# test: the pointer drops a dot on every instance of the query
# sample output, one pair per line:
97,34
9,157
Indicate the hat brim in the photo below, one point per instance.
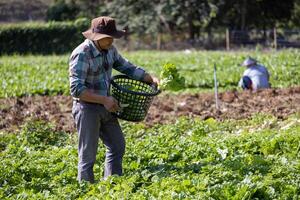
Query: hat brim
98,36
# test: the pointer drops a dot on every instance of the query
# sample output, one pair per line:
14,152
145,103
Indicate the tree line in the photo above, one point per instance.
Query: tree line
183,16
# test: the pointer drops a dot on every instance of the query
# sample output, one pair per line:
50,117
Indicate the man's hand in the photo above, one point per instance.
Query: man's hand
151,79
111,104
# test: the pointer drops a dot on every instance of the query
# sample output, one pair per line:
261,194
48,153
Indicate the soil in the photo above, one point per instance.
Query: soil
165,108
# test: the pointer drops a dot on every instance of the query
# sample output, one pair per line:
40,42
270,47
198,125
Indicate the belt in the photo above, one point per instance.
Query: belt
77,100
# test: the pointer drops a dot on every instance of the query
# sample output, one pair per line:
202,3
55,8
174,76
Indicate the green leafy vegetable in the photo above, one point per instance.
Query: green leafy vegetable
170,78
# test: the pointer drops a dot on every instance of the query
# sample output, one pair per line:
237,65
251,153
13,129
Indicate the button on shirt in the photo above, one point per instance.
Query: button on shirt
259,76
91,69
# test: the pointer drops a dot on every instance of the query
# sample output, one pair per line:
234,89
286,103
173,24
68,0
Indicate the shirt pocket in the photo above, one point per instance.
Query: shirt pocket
95,67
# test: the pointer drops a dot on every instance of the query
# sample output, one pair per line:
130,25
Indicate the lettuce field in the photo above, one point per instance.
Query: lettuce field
190,159
48,75
184,149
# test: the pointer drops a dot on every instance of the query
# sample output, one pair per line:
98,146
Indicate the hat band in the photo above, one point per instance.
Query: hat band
101,30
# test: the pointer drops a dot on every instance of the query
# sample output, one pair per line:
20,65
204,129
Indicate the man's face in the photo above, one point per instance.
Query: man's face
105,43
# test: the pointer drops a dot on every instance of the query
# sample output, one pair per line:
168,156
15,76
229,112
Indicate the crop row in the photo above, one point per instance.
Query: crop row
48,75
190,159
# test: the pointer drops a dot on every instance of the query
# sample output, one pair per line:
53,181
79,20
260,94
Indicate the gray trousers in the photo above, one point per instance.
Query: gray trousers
93,121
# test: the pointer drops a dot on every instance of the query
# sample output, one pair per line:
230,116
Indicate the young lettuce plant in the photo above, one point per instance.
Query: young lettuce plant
170,79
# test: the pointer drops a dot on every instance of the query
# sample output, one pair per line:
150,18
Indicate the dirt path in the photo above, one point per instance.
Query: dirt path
165,108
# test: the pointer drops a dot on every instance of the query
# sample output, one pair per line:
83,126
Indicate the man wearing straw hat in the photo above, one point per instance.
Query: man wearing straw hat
255,77
90,69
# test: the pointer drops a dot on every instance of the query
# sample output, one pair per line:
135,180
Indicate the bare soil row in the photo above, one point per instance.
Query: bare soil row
164,109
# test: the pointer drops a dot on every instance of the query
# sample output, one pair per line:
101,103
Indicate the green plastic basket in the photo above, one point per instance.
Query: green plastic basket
134,97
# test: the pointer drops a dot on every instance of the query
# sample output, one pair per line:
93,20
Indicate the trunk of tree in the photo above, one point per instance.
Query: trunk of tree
158,41
243,13
192,28
209,37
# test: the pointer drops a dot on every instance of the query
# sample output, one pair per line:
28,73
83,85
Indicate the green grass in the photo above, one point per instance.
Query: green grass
190,159
48,75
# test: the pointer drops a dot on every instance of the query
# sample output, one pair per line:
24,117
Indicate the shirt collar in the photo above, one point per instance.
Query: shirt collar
95,50
93,47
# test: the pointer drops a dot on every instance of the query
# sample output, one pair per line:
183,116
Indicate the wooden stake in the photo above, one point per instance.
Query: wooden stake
227,40
275,38
158,41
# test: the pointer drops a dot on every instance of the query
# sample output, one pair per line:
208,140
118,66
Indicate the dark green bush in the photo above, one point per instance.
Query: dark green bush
41,38
62,11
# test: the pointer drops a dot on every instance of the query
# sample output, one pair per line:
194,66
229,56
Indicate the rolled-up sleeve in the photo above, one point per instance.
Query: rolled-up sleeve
78,68
124,66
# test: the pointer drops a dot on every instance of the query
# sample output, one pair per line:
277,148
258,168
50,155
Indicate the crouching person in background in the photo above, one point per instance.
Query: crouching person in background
255,77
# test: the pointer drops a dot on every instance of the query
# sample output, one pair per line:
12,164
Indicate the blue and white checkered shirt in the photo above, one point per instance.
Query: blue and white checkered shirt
91,69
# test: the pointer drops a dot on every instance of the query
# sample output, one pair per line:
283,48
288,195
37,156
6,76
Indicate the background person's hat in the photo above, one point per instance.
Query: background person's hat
102,27
249,61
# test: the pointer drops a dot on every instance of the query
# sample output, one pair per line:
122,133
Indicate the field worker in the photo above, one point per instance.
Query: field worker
255,77
90,70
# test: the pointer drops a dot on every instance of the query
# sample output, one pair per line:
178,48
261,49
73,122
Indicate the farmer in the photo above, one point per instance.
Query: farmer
90,69
255,77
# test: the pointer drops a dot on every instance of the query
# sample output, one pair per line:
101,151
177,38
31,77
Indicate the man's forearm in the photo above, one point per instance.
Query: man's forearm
91,97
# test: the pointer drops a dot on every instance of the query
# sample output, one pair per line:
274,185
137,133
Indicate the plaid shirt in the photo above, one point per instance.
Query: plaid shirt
91,69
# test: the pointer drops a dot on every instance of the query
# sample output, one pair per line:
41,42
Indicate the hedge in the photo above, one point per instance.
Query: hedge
41,38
